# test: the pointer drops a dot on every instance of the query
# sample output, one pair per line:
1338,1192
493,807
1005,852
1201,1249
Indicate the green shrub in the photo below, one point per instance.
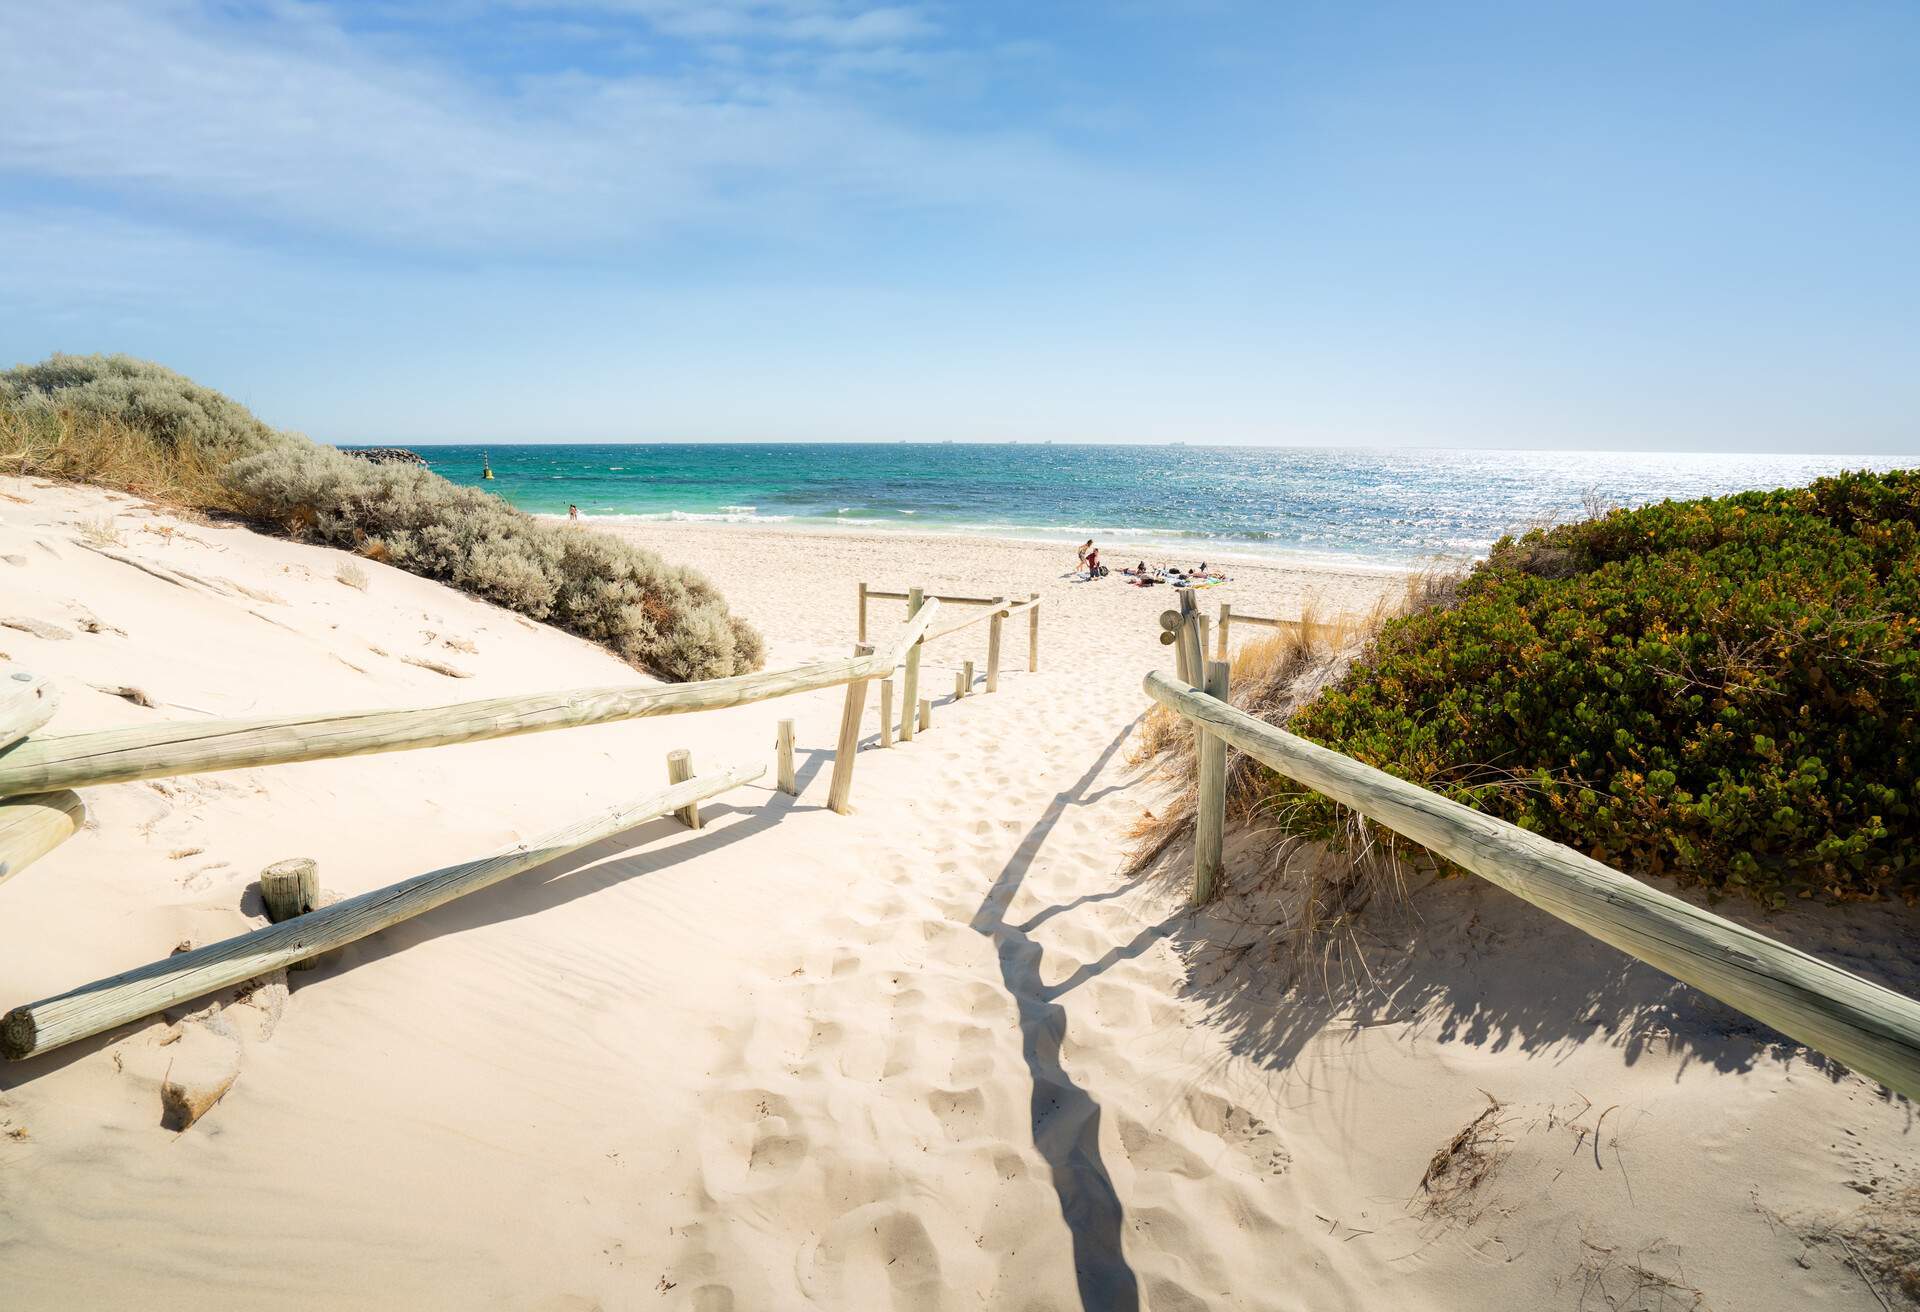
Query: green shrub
1724,690
131,424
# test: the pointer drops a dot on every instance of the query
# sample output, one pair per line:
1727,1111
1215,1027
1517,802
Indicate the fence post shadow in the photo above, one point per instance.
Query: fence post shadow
1065,1118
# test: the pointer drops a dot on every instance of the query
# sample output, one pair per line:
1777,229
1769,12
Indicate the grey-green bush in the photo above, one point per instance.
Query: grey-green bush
174,409
662,617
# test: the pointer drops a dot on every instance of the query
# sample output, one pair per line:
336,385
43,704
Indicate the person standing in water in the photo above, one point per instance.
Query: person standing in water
573,513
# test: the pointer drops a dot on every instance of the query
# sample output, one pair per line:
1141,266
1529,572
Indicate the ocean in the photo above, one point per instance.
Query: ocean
1387,509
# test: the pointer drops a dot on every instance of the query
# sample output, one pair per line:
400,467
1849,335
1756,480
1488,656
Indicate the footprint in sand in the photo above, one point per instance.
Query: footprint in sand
1149,1151
877,1256
972,1056
750,1139
959,1111
1235,1125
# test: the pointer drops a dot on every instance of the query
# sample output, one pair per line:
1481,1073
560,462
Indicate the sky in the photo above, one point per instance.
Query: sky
1671,225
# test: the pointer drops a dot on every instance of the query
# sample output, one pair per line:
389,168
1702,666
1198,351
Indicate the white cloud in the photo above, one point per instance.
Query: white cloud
824,21
291,121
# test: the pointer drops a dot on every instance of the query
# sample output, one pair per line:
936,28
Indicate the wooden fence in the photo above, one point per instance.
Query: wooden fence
38,810
1229,617
916,711
1870,1028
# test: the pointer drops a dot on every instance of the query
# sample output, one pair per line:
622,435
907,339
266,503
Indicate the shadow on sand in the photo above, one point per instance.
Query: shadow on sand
1464,962
1066,1119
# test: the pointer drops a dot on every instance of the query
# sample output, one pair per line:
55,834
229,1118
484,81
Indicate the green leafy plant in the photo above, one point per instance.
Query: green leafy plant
1723,690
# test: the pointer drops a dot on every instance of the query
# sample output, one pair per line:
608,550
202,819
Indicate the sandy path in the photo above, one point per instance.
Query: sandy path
935,1054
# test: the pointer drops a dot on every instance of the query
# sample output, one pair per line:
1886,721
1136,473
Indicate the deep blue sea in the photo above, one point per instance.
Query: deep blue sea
1387,508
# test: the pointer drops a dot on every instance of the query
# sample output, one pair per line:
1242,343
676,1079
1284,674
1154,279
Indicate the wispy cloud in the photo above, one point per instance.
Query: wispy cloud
767,20
287,118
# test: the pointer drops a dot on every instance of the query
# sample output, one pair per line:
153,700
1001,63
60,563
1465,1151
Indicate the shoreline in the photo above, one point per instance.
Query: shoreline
1332,566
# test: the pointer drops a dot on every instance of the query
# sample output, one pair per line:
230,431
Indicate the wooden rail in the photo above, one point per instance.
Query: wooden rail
1004,607
31,827
1230,617
876,594
1871,1029
78,760
109,1003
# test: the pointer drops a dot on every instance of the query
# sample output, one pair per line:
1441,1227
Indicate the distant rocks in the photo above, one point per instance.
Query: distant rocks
387,455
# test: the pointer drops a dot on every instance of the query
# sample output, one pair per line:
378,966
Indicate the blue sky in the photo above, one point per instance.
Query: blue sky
1664,226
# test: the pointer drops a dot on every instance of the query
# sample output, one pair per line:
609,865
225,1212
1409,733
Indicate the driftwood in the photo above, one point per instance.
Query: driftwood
109,1003
1872,1029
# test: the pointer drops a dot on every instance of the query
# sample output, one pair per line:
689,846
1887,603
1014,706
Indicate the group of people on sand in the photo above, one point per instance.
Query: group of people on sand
1143,576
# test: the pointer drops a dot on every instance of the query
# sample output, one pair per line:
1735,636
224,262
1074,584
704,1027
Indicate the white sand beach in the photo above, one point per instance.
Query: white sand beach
940,1053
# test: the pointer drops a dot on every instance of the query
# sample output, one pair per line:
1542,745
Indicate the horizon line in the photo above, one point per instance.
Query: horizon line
1197,446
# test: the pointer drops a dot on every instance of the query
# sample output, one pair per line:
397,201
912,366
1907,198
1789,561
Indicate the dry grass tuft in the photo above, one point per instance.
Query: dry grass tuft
350,573
101,532
1450,1189
1617,1282
1320,894
79,446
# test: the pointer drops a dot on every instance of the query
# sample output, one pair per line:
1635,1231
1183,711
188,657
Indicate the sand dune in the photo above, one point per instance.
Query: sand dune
936,1054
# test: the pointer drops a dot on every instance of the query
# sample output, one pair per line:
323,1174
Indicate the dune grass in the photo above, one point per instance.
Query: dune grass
1315,892
135,426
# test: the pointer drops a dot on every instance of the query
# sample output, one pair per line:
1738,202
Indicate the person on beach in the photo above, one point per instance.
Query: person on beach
1085,547
1093,563
573,513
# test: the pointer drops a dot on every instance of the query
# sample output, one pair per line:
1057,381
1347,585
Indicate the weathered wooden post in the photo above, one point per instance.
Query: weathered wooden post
1206,632
966,677
1226,624
926,715
1191,651
1033,635
290,888
26,702
1210,821
1171,623
849,745
863,612
959,685
910,684
993,651
783,758
32,826
886,712
679,770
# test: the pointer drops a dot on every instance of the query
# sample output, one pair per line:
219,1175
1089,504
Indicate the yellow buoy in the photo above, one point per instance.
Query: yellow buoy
486,468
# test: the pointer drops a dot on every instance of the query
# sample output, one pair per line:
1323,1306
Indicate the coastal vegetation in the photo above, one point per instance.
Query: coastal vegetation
134,425
1721,690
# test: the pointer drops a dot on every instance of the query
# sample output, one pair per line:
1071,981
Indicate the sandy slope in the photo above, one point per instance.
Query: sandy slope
935,1054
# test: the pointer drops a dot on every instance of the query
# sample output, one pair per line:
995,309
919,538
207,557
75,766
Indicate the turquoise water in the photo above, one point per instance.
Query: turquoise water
1386,508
